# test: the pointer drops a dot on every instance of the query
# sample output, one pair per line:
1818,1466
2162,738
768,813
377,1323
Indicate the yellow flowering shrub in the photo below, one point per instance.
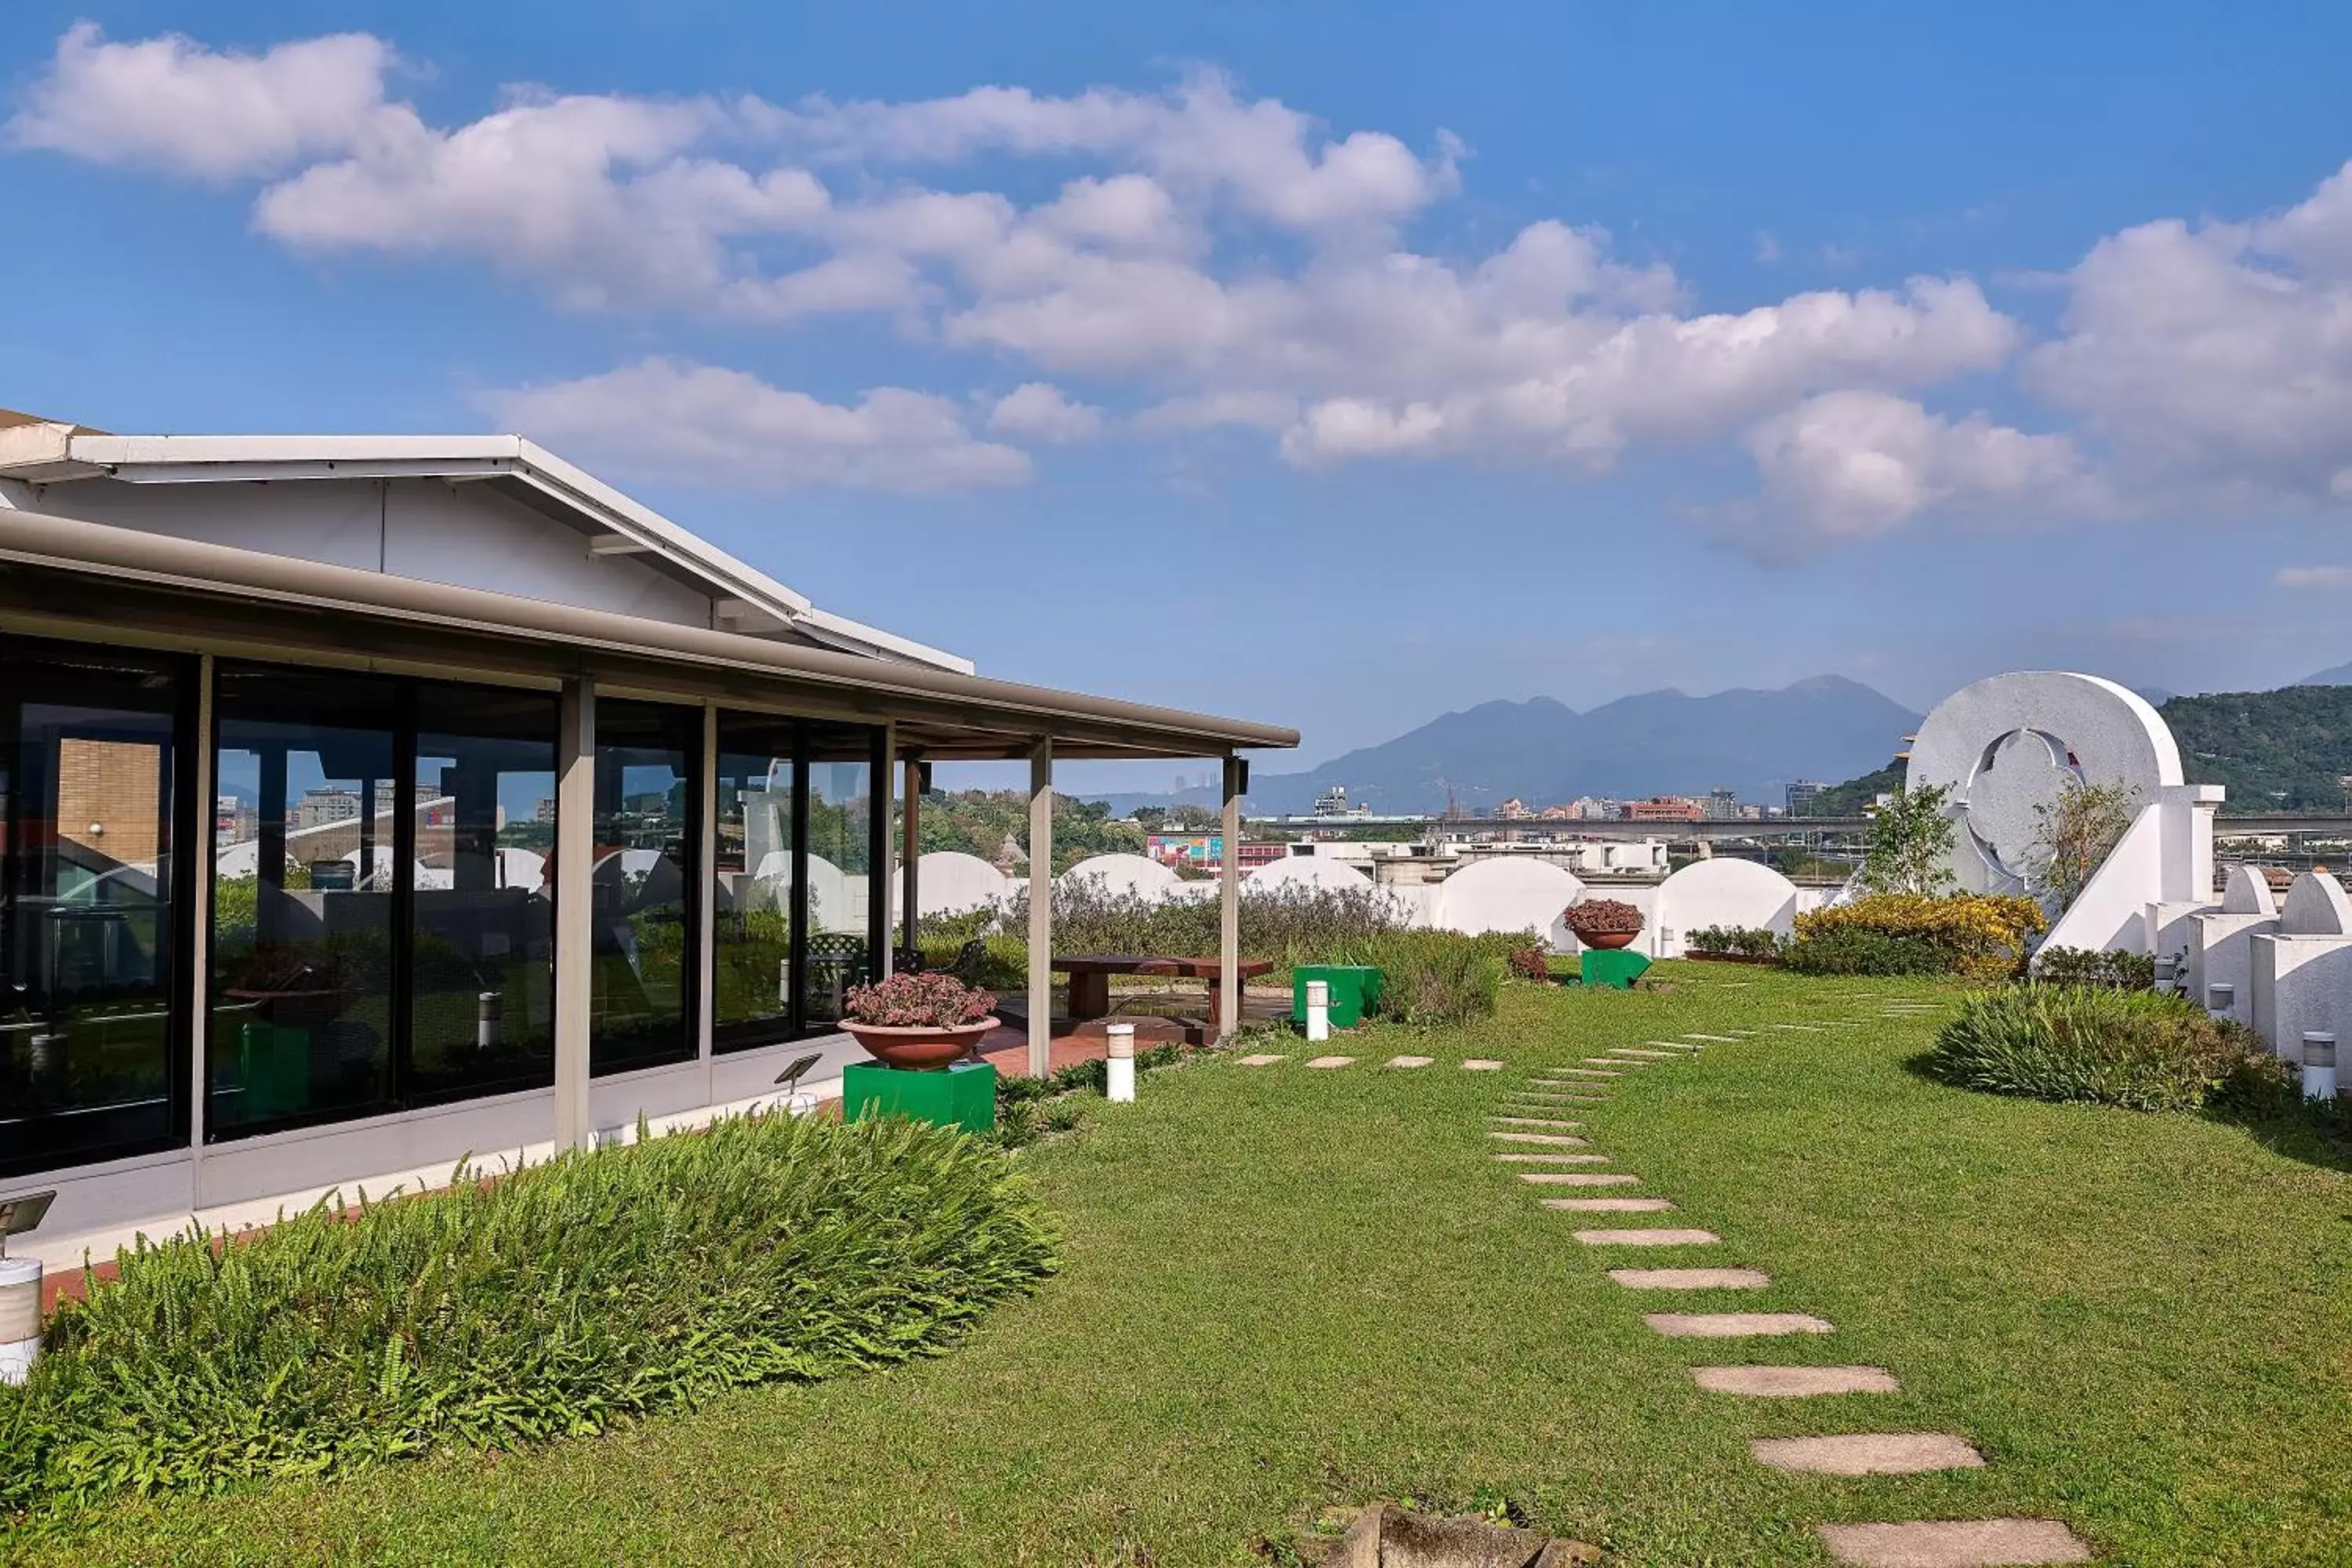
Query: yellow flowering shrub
1981,937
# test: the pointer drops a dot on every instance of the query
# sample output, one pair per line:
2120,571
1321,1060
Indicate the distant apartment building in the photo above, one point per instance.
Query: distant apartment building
1558,813
1332,801
1664,808
1513,810
1722,804
1595,808
1801,794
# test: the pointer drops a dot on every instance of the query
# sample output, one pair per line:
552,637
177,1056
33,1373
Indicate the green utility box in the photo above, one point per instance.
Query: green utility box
965,1096
1616,968
1355,990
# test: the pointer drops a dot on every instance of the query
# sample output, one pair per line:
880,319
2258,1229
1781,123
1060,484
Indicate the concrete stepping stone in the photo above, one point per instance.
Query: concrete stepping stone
1548,1140
1480,1064
1555,1159
1691,1278
1262,1060
1532,1121
1578,1179
1613,1063
1868,1454
1636,1053
1332,1062
1610,1205
1793,1382
1683,1237
1809,1028
1410,1061
1734,1325
1715,1039
1578,1075
1954,1543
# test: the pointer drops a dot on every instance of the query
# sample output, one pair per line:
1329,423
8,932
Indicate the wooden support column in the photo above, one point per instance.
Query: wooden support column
575,855
1229,905
1041,910
910,910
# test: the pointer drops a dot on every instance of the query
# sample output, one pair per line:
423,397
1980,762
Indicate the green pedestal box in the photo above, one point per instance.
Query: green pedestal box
1616,968
965,1096
1355,990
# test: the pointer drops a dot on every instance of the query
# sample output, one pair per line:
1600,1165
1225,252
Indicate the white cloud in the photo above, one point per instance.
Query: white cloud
707,424
1038,412
1849,464
2313,577
170,103
2216,359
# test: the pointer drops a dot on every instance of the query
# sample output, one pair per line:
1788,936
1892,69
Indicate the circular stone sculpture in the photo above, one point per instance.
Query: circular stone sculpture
2007,744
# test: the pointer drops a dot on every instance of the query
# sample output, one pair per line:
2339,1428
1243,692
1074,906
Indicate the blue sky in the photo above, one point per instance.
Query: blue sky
1330,364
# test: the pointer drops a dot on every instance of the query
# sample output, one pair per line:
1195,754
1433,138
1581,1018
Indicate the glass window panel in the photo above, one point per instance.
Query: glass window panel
87,775
839,902
302,892
482,951
751,917
642,943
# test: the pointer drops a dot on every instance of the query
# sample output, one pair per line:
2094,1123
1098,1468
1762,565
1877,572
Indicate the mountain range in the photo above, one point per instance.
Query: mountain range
1541,751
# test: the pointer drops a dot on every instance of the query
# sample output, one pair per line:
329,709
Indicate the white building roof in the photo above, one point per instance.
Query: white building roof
47,452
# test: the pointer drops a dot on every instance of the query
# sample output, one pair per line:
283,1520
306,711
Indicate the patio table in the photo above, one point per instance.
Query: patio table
1090,979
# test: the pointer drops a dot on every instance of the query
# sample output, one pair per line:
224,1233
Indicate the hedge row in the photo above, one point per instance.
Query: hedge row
552,1302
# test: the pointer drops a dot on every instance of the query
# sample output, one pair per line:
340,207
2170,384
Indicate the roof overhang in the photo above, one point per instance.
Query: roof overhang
70,577
43,452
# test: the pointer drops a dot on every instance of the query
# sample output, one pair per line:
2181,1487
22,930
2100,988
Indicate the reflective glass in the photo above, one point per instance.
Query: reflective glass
88,772
751,914
839,902
642,942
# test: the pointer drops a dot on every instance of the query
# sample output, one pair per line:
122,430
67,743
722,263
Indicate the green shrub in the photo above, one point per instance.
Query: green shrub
1977,936
2139,1049
1003,959
1739,942
552,1302
1856,949
2116,970
1436,977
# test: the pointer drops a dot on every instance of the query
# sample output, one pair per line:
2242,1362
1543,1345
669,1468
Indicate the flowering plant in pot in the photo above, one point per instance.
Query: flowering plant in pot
919,1022
1604,922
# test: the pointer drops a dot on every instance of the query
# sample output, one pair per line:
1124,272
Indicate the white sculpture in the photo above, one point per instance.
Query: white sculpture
2010,744
2301,970
1508,894
1721,891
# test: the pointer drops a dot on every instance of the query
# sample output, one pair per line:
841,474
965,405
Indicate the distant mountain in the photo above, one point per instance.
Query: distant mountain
2340,676
1542,751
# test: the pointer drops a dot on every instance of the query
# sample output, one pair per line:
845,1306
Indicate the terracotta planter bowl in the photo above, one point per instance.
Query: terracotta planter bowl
1606,940
920,1049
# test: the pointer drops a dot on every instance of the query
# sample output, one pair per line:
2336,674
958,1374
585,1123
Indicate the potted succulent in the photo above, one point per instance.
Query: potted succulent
1604,922
918,1023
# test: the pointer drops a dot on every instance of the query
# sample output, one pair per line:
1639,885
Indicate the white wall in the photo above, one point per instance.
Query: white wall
1720,892
949,882
1508,895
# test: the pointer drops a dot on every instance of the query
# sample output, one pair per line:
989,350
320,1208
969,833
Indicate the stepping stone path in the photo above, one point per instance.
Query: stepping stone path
1714,1039
1638,1053
1578,1179
1734,1325
1610,1205
1262,1060
1480,1064
1809,1028
1793,1382
1549,1139
1954,1543
1410,1061
1691,1278
1648,1237
1557,1159
1868,1454
1332,1062
1613,1062
1532,1121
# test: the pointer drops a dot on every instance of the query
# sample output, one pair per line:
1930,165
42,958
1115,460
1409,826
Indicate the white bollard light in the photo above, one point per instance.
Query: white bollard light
2220,999
2318,1065
1119,1082
20,1317
1318,1010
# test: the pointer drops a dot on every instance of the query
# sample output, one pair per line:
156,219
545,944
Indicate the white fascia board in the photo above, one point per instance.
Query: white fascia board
859,637
118,451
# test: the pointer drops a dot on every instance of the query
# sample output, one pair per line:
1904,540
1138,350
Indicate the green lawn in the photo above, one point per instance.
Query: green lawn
1288,1289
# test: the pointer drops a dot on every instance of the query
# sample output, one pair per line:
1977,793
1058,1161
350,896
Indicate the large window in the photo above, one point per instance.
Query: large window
794,893
383,917
90,928
481,1006
300,1029
643,946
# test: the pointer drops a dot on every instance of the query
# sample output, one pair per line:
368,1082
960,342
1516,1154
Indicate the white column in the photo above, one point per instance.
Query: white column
1041,910
575,852
1229,905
